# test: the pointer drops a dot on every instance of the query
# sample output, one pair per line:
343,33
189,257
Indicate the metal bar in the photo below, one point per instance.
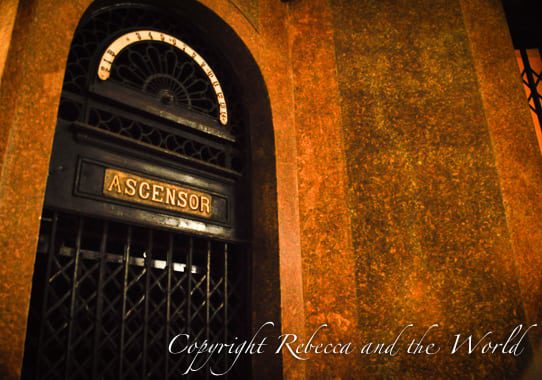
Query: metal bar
532,84
197,122
73,296
50,258
189,286
145,146
134,261
246,286
126,259
226,297
189,292
228,157
99,301
169,266
148,273
208,301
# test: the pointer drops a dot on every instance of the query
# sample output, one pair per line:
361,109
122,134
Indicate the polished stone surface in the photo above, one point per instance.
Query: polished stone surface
429,223
517,152
8,11
328,260
29,95
406,176
250,9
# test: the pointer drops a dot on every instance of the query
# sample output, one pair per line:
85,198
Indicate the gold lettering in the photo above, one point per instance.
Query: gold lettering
157,192
130,187
193,201
170,196
115,183
205,205
164,195
147,194
181,202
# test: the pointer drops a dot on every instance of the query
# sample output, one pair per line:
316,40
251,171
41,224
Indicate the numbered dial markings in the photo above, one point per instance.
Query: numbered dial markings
113,50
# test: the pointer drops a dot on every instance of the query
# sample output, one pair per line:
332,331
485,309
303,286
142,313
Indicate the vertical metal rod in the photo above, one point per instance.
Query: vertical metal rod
125,259
189,286
246,288
226,297
229,158
532,84
189,291
169,261
51,254
73,296
208,301
99,301
148,269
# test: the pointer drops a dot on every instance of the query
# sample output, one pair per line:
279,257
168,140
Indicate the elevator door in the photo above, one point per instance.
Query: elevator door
142,234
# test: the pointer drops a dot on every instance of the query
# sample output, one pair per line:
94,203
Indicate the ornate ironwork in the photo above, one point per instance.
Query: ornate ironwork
109,297
166,73
531,78
154,134
159,71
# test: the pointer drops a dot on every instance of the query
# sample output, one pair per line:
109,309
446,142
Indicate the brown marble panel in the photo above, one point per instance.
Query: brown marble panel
30,92
8,12
328,262
514,142
429,225
250,9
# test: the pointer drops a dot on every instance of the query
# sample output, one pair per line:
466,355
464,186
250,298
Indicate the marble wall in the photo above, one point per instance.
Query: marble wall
407,174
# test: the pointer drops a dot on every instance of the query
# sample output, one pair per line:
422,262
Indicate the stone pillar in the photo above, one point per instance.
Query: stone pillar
29,93
517,154
443,170
329,289
8,12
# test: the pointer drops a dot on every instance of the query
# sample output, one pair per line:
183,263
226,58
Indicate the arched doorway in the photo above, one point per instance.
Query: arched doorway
146,227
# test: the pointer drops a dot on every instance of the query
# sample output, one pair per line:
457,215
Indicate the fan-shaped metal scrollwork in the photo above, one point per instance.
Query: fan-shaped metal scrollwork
166,73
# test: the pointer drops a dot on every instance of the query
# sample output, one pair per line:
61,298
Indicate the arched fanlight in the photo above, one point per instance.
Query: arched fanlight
163,72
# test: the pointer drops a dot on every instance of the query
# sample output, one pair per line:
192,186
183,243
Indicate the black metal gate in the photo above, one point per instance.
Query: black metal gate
531,79
524,23
123,267
111,296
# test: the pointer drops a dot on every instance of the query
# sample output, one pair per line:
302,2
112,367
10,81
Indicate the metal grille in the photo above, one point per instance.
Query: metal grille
531,78
167,74
154,134
163,74
108,298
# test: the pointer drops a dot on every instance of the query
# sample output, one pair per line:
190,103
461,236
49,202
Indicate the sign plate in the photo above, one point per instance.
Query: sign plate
135,189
